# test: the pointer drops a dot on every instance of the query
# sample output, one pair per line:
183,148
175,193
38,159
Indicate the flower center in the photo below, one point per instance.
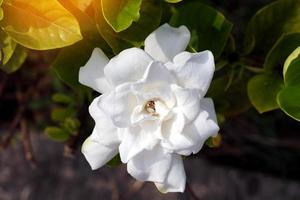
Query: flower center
150,107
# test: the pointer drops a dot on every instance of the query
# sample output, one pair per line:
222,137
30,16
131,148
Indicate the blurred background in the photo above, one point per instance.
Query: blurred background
258,157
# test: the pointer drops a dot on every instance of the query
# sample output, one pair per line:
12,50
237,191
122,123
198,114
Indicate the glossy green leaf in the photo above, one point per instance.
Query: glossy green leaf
291,69
262,91
150,15
173,1
209,28
281,50
269,23
121,13
40,24
16,60
57,134
70,59
289,101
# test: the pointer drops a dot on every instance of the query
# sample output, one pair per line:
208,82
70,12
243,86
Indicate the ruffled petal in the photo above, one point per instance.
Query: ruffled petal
166,42
96,153
134,141
119,105
128,66
204,126
188,102
194,70
150,165
92,74
156,84
172,133
176,178
105,131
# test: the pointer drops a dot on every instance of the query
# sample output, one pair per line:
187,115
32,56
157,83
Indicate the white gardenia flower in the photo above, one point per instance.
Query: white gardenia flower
152,109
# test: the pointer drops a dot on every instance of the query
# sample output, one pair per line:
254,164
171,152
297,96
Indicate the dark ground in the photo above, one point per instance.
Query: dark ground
60,178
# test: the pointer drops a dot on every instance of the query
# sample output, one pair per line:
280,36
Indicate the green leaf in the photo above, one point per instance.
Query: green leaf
291,69
16,60
70,59
57,134
173,1
209,28
40,24
8,47
289,101
62,98
150,15
270,23
281,50
121,13
60,114
262,91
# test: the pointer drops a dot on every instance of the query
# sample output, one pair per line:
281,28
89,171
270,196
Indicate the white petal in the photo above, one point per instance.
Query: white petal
97,154
173,135
204,126
188,102
195,70
119,105
135,140
92,74
156,84
128,66
150,165
105,132
166,42
176,178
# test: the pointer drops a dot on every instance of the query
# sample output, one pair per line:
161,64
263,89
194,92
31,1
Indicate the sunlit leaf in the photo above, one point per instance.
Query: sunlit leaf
269,23
41,25
121,13
262,91
209,28
82,4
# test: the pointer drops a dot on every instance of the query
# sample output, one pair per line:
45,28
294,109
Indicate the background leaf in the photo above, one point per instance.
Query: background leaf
121,13
281,50
150,15
262,91
40,24
57,134
209,28
269,23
